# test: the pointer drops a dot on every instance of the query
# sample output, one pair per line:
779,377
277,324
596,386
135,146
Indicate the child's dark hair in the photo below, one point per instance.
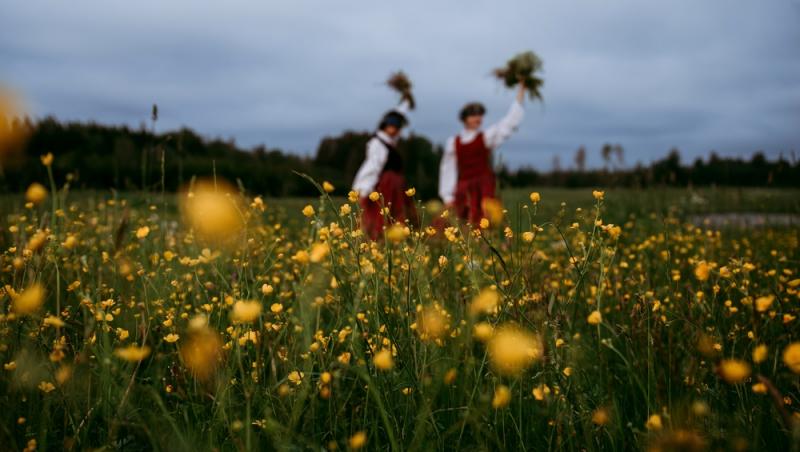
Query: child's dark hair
393,118
472,109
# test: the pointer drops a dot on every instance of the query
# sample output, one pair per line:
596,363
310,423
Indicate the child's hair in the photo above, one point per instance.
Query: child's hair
393,118
472,109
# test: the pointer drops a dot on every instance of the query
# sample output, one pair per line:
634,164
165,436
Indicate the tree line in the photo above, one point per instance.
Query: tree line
100,156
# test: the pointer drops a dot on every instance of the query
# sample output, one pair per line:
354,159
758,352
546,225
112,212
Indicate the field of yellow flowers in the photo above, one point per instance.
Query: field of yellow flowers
212,320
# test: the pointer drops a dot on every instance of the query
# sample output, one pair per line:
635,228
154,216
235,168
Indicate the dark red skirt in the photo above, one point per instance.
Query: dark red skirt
470,193
392,185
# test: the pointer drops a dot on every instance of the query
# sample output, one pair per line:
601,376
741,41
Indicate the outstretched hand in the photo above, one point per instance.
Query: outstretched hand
408,97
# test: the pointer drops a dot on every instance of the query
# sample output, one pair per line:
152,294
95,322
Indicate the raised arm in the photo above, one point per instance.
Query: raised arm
367,176
403,107
499,132
448,173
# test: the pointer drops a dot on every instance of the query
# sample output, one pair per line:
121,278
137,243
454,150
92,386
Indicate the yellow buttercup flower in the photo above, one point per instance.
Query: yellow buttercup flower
198,323
37,241
383,360
734,371
485,303
36,193
763,303
434,207
601,416
308,210
653,422
540,392
53,321
702,271
63,374
358,440
212,210
328,187
319,251
142,232
791,357
700,408
493,209
598,195
301,257
535,197
759,353
11,138
502,397
70,242
397,233
47,159
512,350
132,353
201,352
613,231
594,318
245,311
483,331
295,377
432,323
30,300
450,376
344,358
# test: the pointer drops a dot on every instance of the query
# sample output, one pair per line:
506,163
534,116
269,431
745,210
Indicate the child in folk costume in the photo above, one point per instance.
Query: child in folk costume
466,177
382,172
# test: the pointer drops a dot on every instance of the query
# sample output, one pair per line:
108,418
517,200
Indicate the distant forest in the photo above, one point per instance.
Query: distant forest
101,156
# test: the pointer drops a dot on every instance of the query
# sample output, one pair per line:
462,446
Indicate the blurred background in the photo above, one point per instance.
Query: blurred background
636,93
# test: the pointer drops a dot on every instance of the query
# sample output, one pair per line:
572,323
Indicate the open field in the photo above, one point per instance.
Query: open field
141,321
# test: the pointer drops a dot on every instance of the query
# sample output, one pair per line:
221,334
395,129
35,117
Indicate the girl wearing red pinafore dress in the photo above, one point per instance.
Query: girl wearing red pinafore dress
466,176
382,172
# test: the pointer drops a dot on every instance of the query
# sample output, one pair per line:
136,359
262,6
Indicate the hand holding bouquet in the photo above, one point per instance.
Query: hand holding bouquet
522,69
399,82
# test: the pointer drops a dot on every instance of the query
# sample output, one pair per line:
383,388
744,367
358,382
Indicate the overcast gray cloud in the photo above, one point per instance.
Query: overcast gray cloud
698,75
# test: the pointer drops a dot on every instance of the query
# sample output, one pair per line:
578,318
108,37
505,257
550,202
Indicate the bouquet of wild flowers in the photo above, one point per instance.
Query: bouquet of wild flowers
399,82
522,68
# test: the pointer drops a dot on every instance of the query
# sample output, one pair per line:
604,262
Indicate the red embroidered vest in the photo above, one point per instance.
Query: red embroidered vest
472,158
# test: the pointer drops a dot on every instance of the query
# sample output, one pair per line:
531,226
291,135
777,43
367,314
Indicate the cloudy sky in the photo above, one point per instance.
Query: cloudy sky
706,75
